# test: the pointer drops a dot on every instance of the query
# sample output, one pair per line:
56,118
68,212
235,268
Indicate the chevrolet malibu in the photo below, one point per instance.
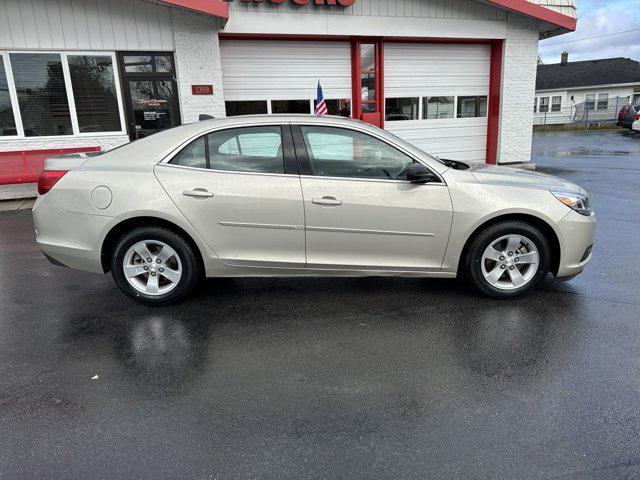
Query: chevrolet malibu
303,196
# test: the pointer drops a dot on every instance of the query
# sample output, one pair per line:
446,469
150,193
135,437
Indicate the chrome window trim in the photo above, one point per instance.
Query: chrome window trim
229,172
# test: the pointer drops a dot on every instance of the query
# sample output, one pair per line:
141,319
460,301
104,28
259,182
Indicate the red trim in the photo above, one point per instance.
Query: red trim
380,76
219,8
536,11
493,105
24,166
356,98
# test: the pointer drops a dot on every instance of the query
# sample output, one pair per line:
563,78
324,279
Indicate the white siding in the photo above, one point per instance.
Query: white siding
85,25
259,70
420,70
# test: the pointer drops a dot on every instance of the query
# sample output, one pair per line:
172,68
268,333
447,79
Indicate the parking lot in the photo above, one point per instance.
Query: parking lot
376,378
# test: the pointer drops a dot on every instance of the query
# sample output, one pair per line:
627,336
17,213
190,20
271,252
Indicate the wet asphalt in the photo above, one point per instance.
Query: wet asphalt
333,378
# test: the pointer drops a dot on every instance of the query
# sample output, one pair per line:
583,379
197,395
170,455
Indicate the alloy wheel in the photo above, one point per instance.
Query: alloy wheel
152,267
510,262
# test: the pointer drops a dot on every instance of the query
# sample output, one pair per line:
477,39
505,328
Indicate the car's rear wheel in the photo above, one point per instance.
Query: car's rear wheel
508,259
154,266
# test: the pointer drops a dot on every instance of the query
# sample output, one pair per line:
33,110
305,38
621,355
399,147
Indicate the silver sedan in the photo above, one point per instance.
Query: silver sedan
302,195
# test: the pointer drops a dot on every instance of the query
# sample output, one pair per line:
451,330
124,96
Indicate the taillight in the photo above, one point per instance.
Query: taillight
48,178
637,116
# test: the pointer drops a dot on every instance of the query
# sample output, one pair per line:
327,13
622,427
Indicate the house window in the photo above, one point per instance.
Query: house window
94,93
59,94
535,104
438,107
42,94
556,104
544,104
603,101
401,109
7,119
472,106
247,107
290,106
590,101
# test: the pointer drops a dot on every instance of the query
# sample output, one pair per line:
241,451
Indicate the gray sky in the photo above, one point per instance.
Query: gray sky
599,17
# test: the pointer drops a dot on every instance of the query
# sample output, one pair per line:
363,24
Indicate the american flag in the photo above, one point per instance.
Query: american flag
321,106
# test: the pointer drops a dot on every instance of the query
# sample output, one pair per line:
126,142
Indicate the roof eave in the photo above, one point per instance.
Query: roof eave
217,8
553,23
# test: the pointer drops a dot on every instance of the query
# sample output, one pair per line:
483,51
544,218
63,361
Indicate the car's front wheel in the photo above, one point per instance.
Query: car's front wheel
154,266
508,259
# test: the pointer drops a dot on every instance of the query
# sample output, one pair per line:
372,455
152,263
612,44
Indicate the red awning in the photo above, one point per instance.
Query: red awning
219,8
537,11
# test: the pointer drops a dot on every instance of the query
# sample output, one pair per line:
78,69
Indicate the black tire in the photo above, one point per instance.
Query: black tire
473,259
190,265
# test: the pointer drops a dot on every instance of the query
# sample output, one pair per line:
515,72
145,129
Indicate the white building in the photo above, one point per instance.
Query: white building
586,91
455,77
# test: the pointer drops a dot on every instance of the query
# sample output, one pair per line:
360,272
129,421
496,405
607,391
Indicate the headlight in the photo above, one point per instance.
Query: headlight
576,201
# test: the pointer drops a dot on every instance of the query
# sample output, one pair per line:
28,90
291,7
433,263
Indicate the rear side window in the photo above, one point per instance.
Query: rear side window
193,155
250,149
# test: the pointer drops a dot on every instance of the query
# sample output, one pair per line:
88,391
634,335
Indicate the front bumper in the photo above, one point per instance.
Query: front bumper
576,234
72,239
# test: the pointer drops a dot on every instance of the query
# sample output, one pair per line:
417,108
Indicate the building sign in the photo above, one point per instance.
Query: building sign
341,3
202,89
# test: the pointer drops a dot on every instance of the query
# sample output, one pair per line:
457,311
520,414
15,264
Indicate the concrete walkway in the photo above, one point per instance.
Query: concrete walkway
21,204
18,191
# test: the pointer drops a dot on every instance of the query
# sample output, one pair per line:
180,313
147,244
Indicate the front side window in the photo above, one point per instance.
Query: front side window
401,109
556,104
193,155
603,101
249,149
472,106
245,107
438,107
339,152
94,93
290,106
544,104
42,94
7,119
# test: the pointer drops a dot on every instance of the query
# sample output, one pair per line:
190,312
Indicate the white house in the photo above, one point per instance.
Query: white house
455,77
587,91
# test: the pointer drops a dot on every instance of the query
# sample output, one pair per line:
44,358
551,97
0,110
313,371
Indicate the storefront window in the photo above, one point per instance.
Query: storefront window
438,107
290,106
148,64
249,107
94,93
474,106
42,94
7,120
401,109
340,107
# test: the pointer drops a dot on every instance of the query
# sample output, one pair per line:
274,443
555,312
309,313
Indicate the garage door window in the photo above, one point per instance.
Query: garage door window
437,107
473,107
340,107
247,107
401,109
338,152
290,106
254,149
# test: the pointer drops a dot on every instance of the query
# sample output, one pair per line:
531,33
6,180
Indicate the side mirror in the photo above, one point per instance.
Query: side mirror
418,173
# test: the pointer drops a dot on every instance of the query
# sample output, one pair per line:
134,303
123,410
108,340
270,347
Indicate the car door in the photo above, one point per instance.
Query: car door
361,212
233,186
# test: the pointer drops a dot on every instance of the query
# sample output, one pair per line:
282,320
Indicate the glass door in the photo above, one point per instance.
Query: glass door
367,81
150,92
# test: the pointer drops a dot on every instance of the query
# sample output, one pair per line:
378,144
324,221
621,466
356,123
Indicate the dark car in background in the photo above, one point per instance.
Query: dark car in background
628,115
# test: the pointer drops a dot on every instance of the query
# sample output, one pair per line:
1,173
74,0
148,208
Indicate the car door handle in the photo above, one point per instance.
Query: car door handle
197,192
326,201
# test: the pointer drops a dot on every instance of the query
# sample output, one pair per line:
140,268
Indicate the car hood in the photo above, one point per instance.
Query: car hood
518,177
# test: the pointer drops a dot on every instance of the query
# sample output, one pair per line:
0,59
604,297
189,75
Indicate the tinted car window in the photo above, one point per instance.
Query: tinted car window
251,149
193,155
339,152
